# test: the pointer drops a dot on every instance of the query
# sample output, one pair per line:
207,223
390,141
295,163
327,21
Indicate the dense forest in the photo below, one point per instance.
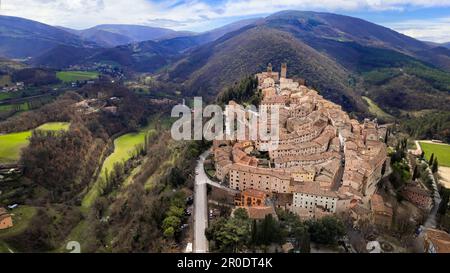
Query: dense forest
433,125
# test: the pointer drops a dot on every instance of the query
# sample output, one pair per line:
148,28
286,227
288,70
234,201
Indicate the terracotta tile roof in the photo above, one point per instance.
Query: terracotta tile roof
439,238
312,188
378,205
260,213
255,193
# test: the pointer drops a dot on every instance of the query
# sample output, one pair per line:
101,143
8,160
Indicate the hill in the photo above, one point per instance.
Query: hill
344,57
22,38
114,35
187,42
146,56
209,69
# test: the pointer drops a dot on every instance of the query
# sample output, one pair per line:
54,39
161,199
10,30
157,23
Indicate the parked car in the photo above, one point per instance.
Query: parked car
13,206
188,212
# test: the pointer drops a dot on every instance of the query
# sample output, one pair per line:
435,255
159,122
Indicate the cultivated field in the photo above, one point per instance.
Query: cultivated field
73,76
10,107
12,144
441,151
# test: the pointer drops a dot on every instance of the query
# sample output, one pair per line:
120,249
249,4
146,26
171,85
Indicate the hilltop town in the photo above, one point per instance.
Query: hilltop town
325,162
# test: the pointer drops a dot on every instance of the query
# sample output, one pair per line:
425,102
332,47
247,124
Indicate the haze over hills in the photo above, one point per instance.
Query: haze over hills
115,35
21,38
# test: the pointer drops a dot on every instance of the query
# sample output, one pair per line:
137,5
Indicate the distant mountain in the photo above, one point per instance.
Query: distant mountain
22,38
115,35
148,56
186,42
104,38
447,45
209,69
344,57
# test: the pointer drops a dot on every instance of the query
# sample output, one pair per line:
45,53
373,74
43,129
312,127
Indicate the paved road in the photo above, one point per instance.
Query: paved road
200,207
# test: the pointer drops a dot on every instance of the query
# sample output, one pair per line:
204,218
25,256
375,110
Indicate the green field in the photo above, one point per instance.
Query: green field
376,110
124,147
54,126
441,151
9,107
12,144
73,76
4,95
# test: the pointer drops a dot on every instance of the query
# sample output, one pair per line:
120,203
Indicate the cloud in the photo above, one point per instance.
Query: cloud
201,14
436,30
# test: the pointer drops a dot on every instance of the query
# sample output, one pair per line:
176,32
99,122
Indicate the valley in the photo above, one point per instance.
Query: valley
87,155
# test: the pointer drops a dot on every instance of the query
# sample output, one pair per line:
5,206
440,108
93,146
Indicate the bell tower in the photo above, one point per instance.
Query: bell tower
283,70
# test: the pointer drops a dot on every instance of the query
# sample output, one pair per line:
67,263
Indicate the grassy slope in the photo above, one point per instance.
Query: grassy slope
441,151
12,144
376,110
71,76
124,147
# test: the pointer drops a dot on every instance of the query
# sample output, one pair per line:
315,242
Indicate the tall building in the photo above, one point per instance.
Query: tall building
283,71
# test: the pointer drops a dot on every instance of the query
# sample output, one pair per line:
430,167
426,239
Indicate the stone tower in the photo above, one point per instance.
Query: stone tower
283,70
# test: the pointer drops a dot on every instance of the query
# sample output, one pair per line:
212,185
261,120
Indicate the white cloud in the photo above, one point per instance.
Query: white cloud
436,30
197,14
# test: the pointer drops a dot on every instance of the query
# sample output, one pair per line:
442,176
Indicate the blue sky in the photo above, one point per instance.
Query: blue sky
422,19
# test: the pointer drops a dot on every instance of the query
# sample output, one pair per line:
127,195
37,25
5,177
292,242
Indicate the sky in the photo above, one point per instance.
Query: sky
427,20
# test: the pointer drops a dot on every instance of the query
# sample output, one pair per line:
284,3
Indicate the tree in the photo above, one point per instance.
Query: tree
230,235
415,173
435,166
268,231
169,232
254,235
171,221
326,230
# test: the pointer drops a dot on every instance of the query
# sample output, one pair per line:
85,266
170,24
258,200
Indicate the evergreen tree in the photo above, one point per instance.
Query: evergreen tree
430,162
254,235
435,166
415,173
